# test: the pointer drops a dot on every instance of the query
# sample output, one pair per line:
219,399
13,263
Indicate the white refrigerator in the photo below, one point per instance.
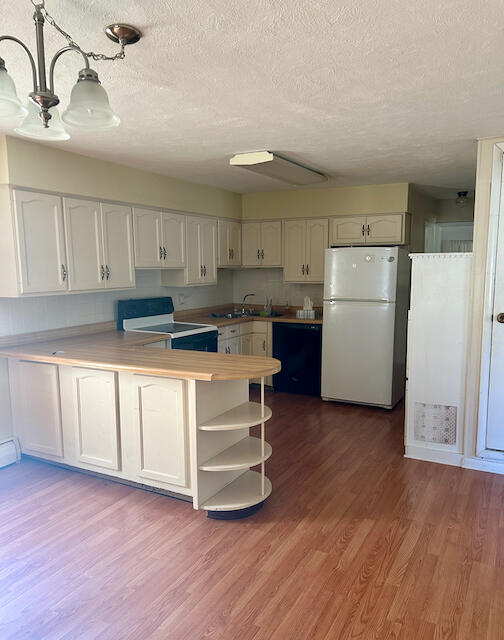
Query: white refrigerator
366,295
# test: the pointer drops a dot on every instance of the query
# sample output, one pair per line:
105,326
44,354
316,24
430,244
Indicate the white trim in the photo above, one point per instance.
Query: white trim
430,454
477,464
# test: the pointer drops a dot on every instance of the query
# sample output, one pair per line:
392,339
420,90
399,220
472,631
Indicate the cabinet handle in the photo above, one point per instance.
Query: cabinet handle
160,253
368,230
229,254
102,272
232,254
63,273
164,253
204,270
107,271
262,254
264,345
363,230
258,254
201,270
302,269
307,269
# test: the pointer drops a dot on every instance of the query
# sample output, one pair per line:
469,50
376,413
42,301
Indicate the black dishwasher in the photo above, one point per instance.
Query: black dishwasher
298,346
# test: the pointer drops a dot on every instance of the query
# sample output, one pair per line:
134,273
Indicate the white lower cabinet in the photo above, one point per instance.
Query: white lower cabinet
160,429
95,417
36,408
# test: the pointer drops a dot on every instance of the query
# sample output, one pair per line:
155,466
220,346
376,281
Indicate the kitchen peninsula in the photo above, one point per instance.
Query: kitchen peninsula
173,420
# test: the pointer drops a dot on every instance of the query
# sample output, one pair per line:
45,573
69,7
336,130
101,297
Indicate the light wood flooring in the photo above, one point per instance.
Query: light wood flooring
354,542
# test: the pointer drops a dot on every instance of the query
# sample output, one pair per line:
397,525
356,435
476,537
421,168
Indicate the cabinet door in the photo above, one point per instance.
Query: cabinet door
348,230
209,250
234,235
148,238
295,251
194,261
234,345
259,344
173,227
161,425
36,407
84,244
96,419
222,346
384,229
317,232
251,244
117,227
271,241
246,345
40,242
223,232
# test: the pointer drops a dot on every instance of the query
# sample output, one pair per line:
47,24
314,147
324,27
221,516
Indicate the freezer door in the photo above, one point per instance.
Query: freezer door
358,352
361,273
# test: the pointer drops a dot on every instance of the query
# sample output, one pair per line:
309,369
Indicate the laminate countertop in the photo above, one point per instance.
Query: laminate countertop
120,351
206,318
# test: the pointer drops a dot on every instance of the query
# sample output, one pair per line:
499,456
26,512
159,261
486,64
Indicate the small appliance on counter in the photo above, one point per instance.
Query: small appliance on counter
155,315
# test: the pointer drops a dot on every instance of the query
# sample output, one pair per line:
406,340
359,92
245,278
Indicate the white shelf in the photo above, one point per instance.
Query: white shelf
243,416
242,455
243,492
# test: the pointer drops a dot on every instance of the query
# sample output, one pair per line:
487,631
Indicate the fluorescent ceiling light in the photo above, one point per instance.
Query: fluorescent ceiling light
275,166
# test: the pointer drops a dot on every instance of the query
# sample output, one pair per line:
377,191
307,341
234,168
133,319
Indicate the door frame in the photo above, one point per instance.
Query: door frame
489,204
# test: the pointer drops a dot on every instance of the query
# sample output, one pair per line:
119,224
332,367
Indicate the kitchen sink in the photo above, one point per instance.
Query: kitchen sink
239,314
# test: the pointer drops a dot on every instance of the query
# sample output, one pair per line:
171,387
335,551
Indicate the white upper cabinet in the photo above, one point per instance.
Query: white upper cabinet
39,232
348,230
84,244
209,250
99,245
159,239
262,244
200,254
148,243
117,223
173,239
305,242
373,229
229,243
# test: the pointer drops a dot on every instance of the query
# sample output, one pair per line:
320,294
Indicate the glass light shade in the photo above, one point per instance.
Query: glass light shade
89,107
32,126
10,104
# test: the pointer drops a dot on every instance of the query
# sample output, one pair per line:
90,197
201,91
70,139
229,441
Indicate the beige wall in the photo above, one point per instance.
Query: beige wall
448,211
40,167
423,209
306,203
4,168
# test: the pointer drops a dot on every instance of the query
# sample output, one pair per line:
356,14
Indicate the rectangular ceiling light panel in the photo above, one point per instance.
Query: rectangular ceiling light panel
275,166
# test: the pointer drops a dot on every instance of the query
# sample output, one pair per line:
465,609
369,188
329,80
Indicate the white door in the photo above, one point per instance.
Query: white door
271,244
41,242
361,273
357,352
96,418
295,251
173,227
36,408
160,425
148,238
118,256
234,232
348,230
194,261
84,244
209,250
251,244
386,229
317,232
495,416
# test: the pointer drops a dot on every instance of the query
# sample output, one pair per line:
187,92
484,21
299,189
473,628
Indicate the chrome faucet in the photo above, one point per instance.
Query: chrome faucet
247,295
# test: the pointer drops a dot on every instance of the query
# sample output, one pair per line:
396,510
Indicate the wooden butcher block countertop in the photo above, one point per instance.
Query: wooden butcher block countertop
119,351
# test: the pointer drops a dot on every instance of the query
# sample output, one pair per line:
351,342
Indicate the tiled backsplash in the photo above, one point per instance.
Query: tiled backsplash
22,315
269,282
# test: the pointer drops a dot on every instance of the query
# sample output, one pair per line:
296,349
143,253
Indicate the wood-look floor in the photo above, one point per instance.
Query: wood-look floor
355,542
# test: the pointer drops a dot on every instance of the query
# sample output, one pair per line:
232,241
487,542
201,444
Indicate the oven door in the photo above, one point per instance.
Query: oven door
206,341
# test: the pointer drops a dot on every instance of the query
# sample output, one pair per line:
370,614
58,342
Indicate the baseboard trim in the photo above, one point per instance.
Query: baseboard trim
433,455
8,453
478,464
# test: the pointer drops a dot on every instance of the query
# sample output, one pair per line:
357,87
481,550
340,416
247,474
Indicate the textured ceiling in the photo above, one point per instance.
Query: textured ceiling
366,91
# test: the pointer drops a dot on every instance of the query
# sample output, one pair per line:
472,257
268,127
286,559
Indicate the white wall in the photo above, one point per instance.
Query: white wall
22,315
269,282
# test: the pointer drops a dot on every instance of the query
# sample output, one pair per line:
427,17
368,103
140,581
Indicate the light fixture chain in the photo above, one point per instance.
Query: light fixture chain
90,54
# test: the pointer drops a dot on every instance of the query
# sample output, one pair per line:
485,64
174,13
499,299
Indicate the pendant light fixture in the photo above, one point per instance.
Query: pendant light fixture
89,107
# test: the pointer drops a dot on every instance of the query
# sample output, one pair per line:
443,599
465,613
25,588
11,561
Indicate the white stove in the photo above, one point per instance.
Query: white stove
155,315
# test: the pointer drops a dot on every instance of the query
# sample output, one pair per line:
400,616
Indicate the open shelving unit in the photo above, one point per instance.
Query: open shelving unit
240,488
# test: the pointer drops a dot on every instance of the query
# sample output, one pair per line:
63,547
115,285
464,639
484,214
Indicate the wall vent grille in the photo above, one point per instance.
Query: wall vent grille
436,423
